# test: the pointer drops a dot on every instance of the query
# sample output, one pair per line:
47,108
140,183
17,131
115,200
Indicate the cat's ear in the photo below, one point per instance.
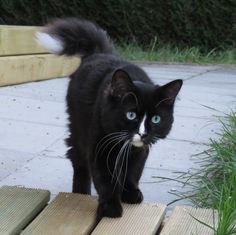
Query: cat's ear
130,99
121,84
170,90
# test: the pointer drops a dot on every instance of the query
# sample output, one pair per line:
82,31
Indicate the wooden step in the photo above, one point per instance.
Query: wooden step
25,68
72,214
19,40
23,60
140,219
18,206
75,214
183,221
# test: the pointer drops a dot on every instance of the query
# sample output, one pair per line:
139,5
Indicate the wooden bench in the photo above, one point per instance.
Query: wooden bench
23,60
70,214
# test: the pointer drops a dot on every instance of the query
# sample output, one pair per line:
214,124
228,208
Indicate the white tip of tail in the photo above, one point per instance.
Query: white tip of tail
52,44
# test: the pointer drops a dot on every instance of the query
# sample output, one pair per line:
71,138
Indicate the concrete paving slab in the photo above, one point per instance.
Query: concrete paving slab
57,149
174,155
162,74
215,80
51,90
218,108
54,174
205,89
160,78
188,93
10,161
194,129
201,112
190,68
38,111
27,137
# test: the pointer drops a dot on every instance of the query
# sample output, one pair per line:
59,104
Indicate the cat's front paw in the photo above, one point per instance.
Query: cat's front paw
132,197
109,209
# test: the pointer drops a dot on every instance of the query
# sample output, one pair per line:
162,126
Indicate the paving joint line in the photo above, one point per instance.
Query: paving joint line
18,168
188,141
64,136
201,73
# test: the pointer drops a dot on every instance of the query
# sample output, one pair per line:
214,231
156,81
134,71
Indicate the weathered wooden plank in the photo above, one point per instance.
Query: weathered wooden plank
182,221
137,219
19,40
67,214
18,206
25,68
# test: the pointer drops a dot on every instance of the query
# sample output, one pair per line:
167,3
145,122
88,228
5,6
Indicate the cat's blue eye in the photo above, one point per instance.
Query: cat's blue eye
156,119
131,115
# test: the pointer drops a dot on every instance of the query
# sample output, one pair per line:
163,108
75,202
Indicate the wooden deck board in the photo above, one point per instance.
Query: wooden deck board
25,68
137,219
182,222
18,206
75,214
67,214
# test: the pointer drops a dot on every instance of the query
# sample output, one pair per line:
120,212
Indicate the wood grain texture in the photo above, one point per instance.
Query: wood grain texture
19,40
140,219
25,68
68,214
182,221
18,206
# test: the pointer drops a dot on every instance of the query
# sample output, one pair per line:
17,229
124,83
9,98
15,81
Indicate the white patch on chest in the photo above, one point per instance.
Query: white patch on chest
136,141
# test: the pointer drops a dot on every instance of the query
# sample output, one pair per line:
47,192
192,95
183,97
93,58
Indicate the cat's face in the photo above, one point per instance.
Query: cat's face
141,112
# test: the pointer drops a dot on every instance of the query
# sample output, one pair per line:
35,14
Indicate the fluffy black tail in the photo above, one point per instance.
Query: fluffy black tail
75,37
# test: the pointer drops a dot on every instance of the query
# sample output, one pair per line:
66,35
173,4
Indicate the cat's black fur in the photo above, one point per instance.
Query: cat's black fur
101,92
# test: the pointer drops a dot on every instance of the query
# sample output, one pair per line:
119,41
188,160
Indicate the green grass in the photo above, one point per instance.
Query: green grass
170,54
213,185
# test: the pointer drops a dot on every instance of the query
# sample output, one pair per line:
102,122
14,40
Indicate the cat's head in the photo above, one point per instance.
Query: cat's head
138,111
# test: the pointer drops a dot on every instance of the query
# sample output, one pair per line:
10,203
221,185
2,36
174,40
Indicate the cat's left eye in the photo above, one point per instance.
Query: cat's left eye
156,119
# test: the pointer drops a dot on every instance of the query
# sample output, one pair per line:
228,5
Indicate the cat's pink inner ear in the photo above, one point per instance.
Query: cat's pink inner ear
171,90
121,83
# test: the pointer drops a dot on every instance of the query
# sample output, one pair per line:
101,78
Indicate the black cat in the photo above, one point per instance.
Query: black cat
115,114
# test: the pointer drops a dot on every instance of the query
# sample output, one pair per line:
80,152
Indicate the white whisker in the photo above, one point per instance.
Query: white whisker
107,160
126,165
106,143
123,149
118,159
114,134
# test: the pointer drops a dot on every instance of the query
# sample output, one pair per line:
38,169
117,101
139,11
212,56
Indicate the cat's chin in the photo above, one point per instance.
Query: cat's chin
137,144
137,141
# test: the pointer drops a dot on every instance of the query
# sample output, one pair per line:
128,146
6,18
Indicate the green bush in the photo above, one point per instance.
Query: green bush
206,24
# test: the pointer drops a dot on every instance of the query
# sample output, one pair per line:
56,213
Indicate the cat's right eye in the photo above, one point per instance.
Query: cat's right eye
131,115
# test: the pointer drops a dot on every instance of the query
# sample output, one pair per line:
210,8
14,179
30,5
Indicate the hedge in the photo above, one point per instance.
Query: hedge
207,24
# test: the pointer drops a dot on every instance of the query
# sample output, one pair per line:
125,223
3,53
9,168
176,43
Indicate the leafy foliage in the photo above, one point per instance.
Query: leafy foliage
206,24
